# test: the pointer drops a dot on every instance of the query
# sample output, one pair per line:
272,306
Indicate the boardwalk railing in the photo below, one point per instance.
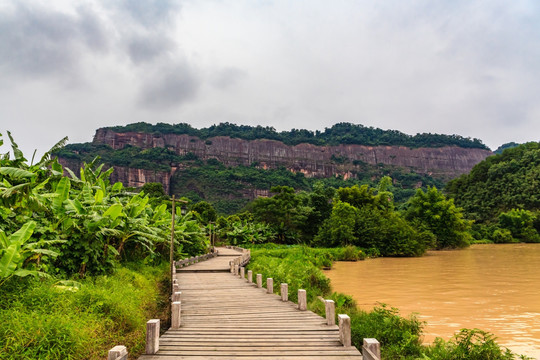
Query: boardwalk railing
240,261
371,349
194,259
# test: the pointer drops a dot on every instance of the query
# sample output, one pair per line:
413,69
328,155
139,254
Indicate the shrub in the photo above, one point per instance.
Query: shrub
470,344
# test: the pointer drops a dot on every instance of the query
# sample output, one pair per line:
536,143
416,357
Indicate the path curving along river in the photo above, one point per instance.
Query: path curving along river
491,287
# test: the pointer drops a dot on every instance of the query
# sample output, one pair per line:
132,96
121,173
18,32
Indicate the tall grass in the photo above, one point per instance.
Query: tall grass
67,320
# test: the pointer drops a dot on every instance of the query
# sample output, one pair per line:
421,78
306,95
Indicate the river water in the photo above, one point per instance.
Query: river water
491,287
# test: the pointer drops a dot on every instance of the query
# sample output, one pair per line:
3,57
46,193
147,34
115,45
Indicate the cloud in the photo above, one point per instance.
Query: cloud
168,88
37,41
228,77
146,48
150,13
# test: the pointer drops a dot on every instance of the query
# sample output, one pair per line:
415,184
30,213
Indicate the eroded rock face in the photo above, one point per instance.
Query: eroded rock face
314,161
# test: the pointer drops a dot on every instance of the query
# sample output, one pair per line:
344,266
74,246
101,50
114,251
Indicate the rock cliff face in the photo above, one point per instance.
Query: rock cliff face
314,161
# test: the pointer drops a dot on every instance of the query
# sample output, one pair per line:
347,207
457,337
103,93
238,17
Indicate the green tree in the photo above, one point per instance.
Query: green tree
340,228
284,212
520,224
431,211
206,211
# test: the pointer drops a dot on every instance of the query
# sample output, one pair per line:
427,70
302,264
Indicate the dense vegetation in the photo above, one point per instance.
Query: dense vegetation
73,232
359,215
83,319
502,195
158,159
341,133
230,188
400,337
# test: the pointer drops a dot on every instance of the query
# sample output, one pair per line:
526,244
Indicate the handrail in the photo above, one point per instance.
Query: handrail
194,259
241,260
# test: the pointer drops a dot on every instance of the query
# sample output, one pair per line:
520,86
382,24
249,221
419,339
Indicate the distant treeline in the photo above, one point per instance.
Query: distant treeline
341,133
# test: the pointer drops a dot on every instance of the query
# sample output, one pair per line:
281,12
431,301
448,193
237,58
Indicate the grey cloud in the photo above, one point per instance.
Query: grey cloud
37,41
169,88
143,49
228,77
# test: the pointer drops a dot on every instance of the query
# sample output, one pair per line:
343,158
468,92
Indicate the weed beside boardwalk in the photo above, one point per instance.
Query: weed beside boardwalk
400,337
54,319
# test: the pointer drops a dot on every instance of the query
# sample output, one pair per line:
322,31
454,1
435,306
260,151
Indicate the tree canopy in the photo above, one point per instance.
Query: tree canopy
340,133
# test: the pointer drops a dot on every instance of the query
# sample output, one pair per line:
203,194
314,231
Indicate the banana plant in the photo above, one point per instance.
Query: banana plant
15,251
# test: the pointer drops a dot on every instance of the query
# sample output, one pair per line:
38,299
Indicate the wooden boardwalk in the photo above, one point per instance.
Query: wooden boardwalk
225,317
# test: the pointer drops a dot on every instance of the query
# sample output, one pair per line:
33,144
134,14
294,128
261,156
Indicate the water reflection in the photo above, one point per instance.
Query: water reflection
491,287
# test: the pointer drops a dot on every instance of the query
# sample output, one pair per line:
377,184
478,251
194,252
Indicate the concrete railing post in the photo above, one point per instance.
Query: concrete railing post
269,285
371,350
176,315
302,300
284,292
250,276
152,336
118,352
177,296
330,308
243,272
259,280
345,329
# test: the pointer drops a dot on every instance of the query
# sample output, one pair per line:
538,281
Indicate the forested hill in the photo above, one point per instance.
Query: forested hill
500,183
341,133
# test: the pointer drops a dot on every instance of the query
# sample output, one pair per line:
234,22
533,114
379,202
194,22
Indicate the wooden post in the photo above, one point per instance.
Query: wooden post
118,352
330,308
171,247
177,296
345,329
284,292
232,266
176,288
269,285
243,272
235,270
371,350
175,316
259,280
152,336
302,299
250,276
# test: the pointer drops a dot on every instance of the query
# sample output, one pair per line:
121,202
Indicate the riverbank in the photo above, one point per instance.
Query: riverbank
54,319
491,287
400,337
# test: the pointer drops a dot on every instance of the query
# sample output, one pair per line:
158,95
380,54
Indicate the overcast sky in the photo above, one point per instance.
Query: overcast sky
467,67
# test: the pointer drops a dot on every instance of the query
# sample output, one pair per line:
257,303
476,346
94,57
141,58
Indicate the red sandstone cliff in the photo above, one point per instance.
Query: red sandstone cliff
444,163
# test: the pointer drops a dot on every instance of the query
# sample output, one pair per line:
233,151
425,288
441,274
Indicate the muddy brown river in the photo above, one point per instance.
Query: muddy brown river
491,287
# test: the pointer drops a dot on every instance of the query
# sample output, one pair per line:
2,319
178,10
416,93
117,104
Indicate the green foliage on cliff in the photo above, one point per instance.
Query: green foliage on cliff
157,159
341,133
500,183
502,195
